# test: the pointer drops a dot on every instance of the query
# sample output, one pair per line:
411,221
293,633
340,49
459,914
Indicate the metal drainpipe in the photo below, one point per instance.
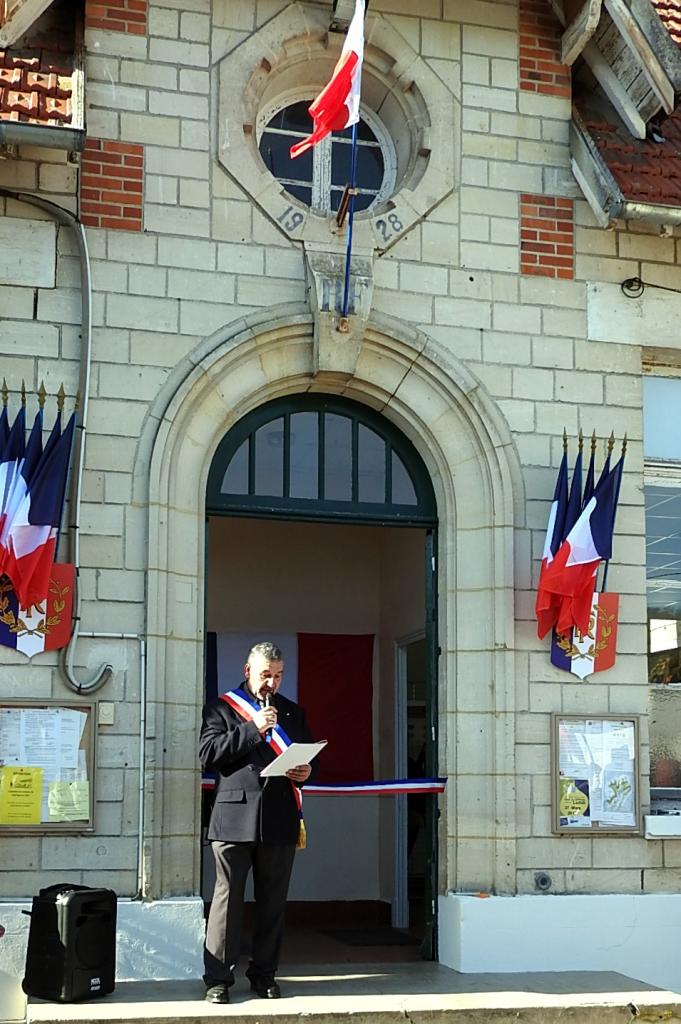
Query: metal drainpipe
103,674
141,875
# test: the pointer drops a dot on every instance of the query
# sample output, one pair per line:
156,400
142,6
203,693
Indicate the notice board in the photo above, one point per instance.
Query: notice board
46,766
595,777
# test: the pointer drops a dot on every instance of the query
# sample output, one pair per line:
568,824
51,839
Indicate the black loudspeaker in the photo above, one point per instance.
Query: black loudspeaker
71,951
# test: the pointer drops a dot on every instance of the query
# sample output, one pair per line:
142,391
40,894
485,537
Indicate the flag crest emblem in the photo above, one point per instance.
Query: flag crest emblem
582,654
46,624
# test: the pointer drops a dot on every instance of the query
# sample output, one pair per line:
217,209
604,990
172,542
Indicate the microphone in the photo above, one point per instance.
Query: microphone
268,732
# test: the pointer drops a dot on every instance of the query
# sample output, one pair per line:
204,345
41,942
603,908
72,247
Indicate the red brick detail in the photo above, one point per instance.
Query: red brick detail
112,185
547,236
540,67
117,15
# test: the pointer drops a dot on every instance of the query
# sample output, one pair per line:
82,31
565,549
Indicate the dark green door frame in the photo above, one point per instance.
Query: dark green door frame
236,461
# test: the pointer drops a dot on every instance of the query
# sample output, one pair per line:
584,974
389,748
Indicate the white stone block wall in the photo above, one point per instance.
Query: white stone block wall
208,256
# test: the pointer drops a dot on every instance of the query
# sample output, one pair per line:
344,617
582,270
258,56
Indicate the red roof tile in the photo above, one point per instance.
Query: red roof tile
669,13
36,77
644,170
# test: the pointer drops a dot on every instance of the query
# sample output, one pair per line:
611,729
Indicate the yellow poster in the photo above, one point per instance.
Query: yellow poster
69,801
21,791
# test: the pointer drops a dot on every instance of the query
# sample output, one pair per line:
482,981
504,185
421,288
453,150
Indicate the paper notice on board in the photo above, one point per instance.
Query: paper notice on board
68,801
10,736
619,806
20,795
71,725
574,807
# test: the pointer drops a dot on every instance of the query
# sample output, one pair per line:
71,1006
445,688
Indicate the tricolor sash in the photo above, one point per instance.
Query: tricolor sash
277,739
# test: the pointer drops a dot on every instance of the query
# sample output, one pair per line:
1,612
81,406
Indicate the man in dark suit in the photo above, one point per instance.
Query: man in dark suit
254,824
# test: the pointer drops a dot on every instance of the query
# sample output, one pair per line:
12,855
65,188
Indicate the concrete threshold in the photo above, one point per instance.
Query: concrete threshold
378,993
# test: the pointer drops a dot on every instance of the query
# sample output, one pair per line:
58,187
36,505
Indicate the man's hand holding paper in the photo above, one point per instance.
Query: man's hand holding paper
296,758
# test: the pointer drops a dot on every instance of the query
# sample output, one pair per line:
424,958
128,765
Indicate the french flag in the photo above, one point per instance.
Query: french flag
569,580
11,458
28,534
337,105
547,604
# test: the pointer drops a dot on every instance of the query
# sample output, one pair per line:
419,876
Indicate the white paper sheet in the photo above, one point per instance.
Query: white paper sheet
296,754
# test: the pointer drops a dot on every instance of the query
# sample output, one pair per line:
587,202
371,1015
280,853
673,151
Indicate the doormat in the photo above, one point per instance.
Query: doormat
371,936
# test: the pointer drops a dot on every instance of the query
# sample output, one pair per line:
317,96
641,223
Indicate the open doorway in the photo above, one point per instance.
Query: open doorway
293,582
320,535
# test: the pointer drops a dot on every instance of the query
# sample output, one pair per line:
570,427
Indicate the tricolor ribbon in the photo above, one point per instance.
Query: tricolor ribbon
381,787
277,739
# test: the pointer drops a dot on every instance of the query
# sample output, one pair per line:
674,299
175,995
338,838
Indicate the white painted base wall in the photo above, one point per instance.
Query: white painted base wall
639,936
159,941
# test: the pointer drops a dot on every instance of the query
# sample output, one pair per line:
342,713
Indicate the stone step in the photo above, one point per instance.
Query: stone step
421,993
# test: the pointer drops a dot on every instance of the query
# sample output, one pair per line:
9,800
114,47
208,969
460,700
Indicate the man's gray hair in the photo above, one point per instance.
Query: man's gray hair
269,651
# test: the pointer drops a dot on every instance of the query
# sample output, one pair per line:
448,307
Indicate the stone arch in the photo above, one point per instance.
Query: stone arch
467,446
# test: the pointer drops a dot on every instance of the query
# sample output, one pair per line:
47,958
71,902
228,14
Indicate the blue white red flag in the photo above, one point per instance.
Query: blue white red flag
571,576
10,461
590,475
546,606
28,535
574,505
4,430
337,106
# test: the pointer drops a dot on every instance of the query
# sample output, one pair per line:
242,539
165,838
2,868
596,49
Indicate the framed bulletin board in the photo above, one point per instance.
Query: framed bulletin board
595,776
46,766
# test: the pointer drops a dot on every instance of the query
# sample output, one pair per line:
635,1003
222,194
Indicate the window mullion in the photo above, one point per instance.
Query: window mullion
321,176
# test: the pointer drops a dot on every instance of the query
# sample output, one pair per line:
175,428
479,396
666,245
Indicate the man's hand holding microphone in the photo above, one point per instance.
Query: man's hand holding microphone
265,720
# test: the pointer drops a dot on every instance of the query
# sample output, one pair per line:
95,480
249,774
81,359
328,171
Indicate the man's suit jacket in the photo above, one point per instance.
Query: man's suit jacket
248,808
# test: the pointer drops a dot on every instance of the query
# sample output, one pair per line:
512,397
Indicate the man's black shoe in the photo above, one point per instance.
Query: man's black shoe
266,988
217,992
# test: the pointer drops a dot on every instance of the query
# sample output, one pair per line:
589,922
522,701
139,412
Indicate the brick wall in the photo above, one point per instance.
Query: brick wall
547,236
117,15
540,67
112,185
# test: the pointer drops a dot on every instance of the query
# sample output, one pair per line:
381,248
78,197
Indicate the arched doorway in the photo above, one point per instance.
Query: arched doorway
321,523
418,384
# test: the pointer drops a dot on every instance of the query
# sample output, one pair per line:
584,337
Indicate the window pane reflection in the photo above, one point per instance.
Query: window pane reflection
304,481
664,709
663,578
371,465
403,488
269,459
338,458
235,480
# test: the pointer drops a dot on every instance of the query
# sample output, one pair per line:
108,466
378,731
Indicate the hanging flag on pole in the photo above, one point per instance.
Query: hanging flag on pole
571,576
28,539
590,473
337,105
546,607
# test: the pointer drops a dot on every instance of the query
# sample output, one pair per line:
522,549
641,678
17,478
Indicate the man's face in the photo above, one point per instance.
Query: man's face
263,676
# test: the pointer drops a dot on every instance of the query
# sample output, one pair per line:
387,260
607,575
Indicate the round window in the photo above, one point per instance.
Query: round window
319,176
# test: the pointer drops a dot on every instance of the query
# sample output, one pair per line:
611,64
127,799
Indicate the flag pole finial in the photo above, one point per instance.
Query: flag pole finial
5,392
611,442
593,441
76,404
23,393
581,439
42,394
61,395
565,441
625,441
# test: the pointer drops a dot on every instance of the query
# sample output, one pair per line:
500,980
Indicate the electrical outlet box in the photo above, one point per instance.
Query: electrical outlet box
106,712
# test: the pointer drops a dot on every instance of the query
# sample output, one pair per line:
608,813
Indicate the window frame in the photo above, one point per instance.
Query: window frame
423,513
322,156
